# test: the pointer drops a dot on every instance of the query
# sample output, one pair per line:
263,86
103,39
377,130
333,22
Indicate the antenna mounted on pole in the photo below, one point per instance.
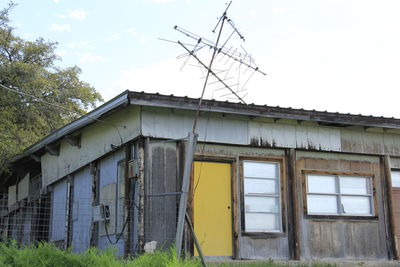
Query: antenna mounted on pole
228,71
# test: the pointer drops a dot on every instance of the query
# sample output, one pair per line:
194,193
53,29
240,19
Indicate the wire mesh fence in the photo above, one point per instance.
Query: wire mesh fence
161,218
70,223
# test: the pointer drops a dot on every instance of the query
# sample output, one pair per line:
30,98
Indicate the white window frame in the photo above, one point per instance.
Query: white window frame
395,177
278,196
338,194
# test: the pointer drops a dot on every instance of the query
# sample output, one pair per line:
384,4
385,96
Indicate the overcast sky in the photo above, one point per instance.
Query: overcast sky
335,55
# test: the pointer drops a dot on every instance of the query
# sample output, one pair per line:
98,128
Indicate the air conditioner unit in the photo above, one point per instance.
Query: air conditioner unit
101,213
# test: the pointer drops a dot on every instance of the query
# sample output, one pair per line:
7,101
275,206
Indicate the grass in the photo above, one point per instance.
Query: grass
269,263
46,254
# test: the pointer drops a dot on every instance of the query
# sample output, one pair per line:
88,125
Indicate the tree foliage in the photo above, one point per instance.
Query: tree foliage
29,68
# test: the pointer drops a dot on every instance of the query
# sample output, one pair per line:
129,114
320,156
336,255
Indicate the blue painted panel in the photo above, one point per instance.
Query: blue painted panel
108,168
82,210
109,176
104,243
59,211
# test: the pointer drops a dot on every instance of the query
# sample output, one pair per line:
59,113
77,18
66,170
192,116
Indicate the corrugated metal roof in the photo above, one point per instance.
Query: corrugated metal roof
323,117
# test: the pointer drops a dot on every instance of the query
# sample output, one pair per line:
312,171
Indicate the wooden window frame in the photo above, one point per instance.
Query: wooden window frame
282,197
373,196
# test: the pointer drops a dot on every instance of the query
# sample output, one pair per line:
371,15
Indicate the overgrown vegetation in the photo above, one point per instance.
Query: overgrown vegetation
29,80
46,255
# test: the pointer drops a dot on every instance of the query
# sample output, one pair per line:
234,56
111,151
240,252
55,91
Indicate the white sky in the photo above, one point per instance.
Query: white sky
335,55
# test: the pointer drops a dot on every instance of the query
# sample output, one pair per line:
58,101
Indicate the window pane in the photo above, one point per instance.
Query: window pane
260,186
321,184
262,222
354,185
356,205
322,204
260,169
261,204
395,178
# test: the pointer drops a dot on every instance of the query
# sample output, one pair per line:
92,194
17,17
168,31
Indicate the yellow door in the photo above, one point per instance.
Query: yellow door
212,208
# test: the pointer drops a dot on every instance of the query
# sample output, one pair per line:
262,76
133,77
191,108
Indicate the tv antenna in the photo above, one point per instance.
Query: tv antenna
228,71
230,67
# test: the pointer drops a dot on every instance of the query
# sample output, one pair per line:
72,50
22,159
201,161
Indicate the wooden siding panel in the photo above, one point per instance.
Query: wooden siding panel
341,238
396,211
257,248
323,238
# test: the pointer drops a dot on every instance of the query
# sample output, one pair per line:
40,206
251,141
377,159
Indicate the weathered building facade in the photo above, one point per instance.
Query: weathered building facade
267,182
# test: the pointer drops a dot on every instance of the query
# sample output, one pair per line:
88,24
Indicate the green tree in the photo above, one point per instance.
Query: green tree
29,68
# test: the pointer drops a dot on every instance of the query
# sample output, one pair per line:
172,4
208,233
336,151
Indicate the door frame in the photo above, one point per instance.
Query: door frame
234,198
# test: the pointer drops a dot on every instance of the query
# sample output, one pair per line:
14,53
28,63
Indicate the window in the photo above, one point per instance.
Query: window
339,195
262,197
395,178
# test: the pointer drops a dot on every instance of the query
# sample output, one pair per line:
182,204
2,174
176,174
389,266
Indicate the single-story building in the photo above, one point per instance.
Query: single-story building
267,182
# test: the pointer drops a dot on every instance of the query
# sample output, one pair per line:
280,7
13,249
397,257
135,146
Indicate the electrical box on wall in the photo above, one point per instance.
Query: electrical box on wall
101,213
133,168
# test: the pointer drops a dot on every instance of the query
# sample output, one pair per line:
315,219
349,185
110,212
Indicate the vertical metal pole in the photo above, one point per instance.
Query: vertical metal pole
190,149
196,242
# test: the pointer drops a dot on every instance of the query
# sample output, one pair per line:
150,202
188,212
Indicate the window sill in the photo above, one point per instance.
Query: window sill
263,235
341,217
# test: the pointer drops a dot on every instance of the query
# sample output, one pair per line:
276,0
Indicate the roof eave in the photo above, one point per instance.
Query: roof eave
118,101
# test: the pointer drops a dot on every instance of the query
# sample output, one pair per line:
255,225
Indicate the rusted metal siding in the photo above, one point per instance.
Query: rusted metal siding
294,136
363,142
268,133
235,151
341,238
96,140
395,163
174,124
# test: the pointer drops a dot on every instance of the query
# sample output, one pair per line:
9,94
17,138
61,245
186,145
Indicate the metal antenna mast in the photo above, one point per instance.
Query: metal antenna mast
208,69
233,56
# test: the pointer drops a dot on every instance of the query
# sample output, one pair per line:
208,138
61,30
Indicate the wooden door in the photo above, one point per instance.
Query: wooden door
212,207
